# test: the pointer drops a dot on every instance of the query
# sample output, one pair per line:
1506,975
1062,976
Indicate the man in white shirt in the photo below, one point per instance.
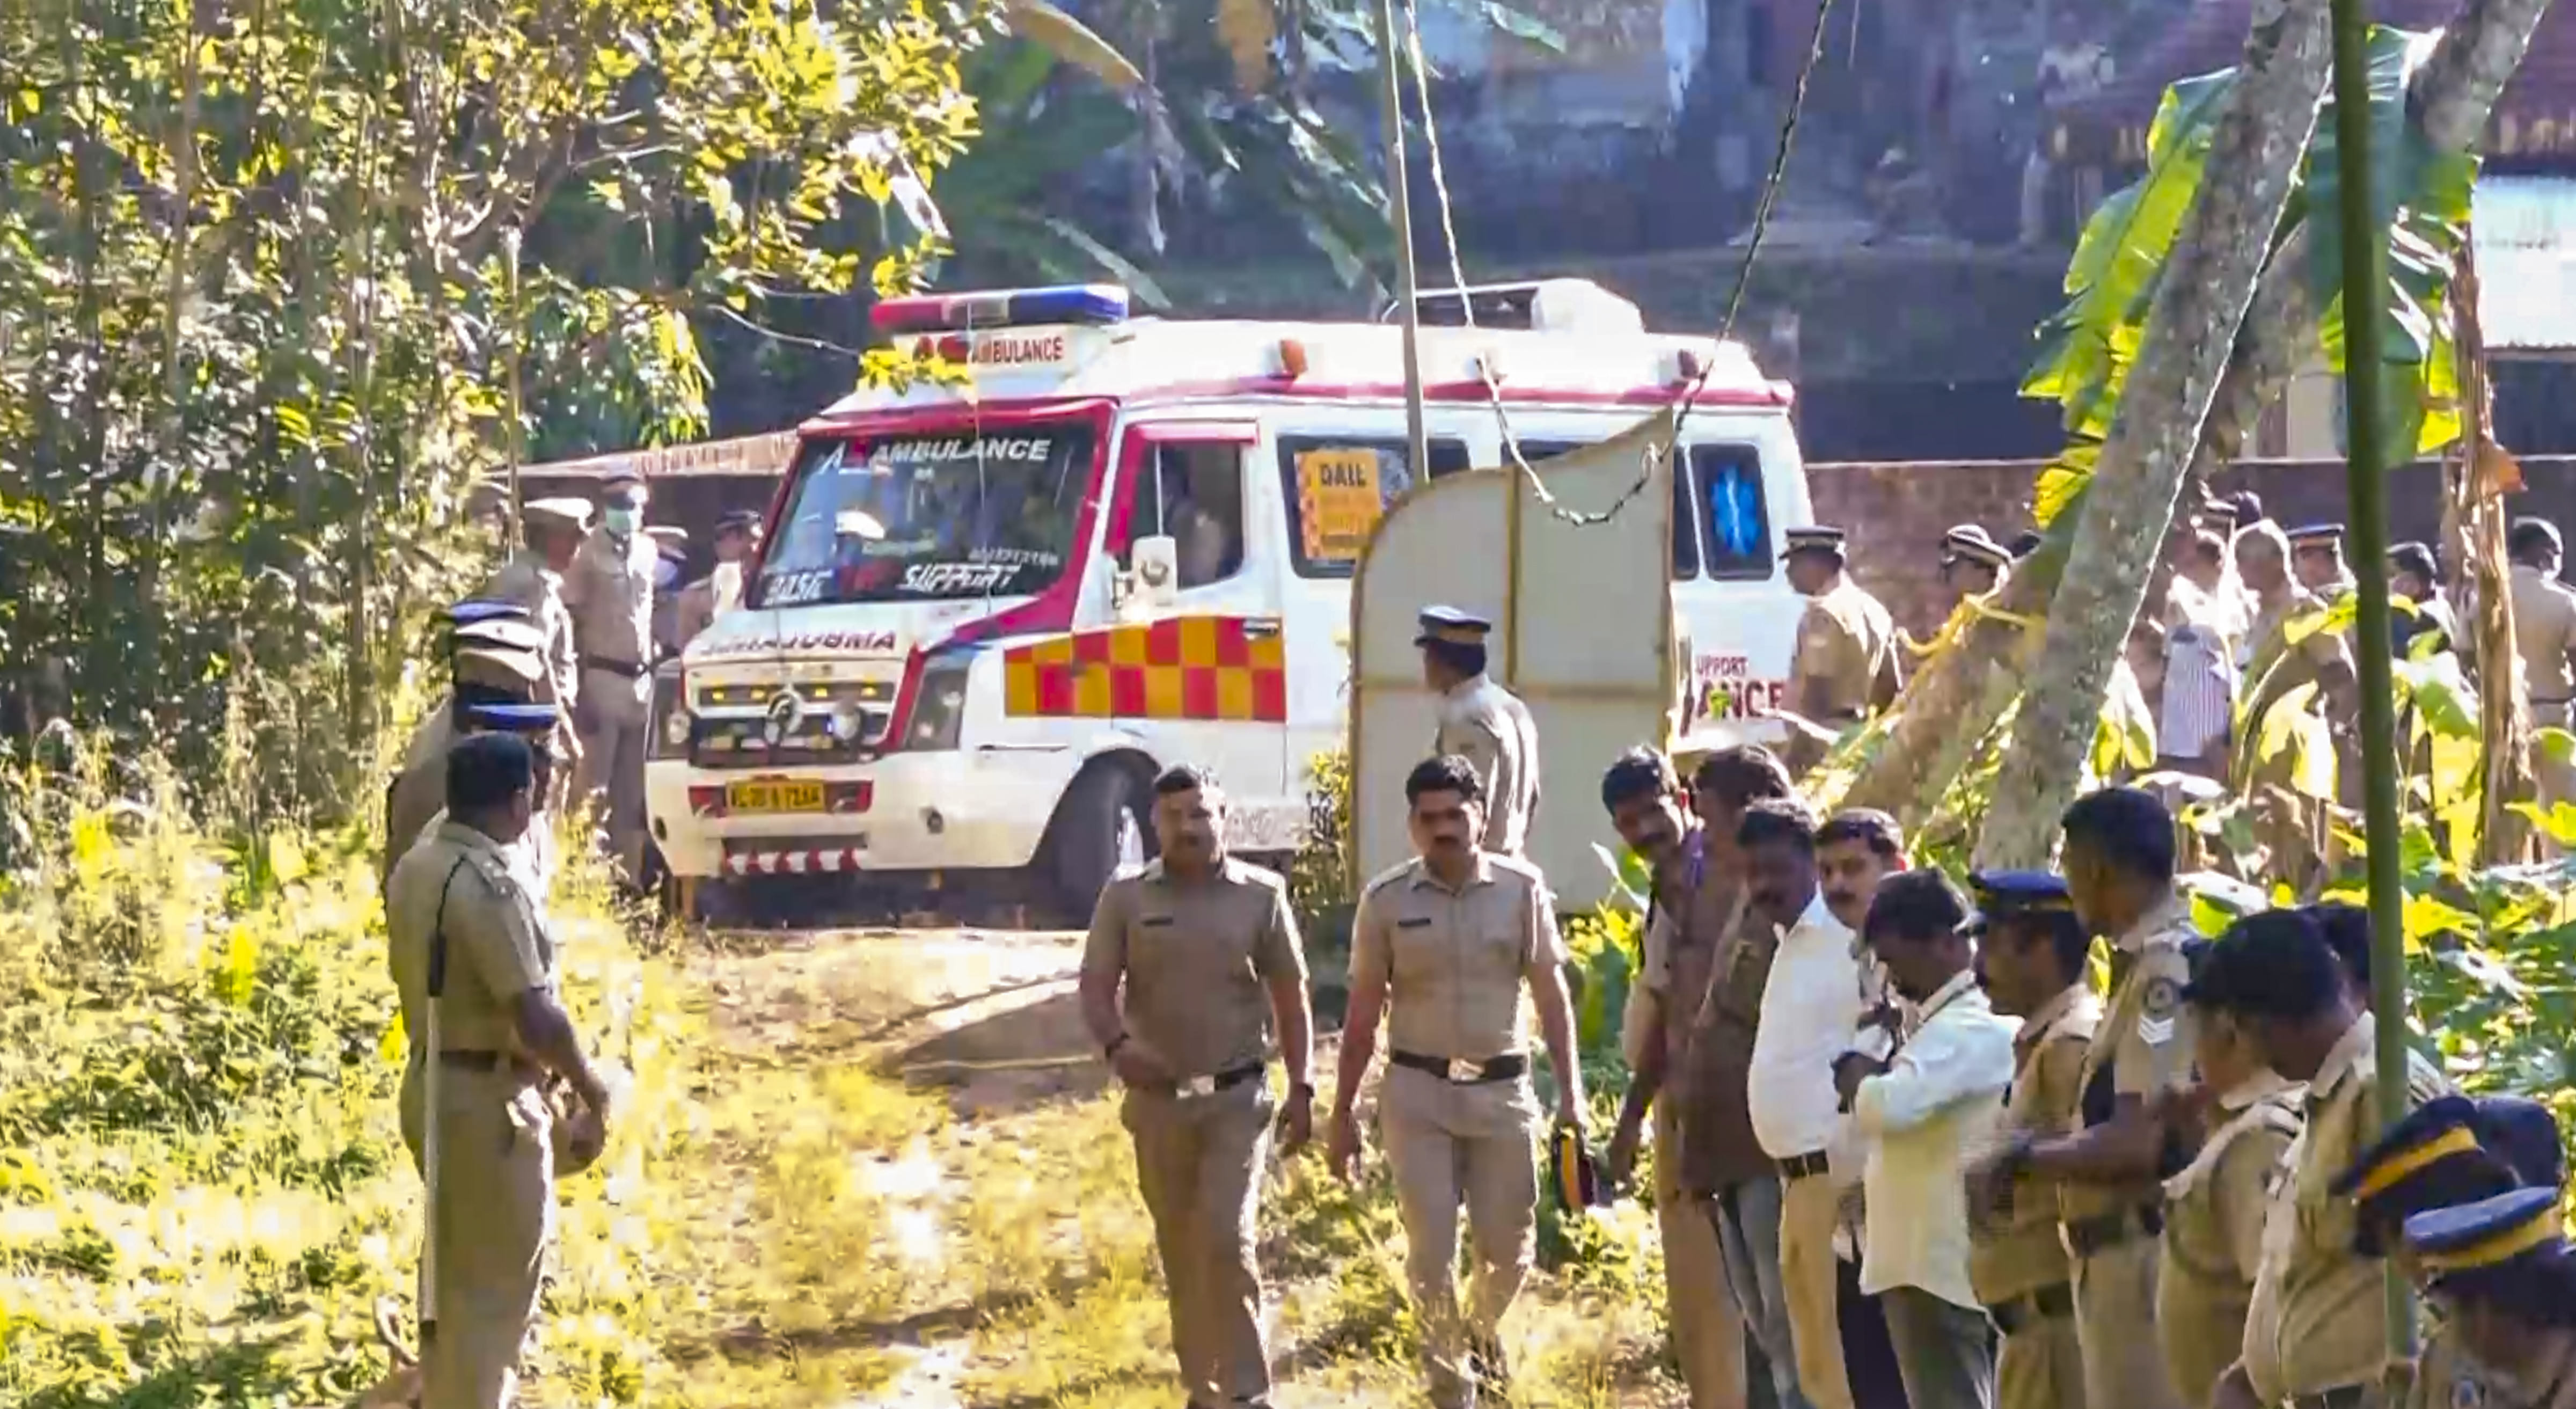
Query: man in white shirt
1924,1113
1810,1006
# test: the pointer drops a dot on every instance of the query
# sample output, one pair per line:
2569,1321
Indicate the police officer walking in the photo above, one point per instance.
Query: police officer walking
1482,723
1454,948
475,967
1207,954
1846,661
2031,955
609,590
533,580
2120,874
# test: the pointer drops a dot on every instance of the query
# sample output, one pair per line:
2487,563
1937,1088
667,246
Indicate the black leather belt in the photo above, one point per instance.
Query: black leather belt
1802,1166
1464,1071
470,1060
2087,1236
1225,1080
627,668
2348,1397
2050,1303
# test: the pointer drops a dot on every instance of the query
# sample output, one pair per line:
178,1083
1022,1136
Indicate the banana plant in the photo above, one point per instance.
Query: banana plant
2423,198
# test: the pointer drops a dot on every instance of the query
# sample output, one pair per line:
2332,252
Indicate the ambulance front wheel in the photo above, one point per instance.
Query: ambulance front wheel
1102,825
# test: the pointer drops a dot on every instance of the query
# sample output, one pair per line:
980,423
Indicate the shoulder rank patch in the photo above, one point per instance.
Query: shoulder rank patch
2157,1008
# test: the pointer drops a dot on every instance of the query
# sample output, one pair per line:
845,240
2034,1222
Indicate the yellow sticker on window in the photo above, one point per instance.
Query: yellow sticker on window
1339,500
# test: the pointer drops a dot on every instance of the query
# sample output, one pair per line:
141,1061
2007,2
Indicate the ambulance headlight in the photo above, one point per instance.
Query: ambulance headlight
845,723
939,710
672,722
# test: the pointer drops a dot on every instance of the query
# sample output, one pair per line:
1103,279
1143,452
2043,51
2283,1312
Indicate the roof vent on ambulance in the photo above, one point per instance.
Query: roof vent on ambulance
1540,305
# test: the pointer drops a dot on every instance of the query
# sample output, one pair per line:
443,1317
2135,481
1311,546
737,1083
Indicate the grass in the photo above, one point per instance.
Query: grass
203,1195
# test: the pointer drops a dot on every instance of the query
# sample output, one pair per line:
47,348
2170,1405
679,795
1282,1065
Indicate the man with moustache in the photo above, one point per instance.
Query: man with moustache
1454,949
1207,952
1644,799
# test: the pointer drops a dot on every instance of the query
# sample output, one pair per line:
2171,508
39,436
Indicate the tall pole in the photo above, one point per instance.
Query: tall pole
2366,470
1400,215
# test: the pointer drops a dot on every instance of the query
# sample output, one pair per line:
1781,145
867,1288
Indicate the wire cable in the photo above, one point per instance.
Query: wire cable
1689,398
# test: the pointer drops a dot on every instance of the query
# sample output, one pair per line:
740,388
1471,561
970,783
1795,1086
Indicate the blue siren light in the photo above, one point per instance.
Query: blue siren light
1092,305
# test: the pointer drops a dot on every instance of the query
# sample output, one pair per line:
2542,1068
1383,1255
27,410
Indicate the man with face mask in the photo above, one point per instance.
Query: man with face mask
1455,948
737,543
1207,953
610,593
474,963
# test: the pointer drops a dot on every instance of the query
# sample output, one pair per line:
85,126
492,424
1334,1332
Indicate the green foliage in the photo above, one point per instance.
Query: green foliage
276,280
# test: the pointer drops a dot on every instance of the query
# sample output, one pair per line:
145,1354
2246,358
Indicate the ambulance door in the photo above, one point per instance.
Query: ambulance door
1198,671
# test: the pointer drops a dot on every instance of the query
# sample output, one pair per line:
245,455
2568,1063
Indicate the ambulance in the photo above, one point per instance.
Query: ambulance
987,612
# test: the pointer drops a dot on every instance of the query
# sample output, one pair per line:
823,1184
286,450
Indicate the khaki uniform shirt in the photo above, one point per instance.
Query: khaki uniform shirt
1847,640
1489,727
1457,963
529,583
1197,958
2544,631
695,613
459,882
2213,1238
2318,1318
609,591
2022,1252
2144,1046
2446,1376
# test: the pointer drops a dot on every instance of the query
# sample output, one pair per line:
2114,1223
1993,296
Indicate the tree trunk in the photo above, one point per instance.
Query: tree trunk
2454,90
2473,531
2208,281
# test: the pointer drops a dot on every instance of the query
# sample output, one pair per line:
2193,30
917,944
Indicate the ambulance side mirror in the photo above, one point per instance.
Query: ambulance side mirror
1152,578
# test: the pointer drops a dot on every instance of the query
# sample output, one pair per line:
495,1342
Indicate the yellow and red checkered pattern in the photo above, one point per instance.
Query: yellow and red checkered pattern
1189,667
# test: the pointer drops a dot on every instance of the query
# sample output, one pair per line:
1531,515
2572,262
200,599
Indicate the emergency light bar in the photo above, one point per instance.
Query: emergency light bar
1088,304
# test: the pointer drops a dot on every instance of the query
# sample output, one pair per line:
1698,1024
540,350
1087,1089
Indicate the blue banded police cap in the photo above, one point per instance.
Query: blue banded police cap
2004,894
481,609
2317,535
2488,1233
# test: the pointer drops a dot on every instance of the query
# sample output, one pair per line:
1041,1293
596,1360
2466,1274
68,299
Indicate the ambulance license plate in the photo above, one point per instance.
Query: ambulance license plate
774,795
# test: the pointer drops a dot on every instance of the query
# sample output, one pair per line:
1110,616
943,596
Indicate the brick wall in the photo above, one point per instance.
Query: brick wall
1896,512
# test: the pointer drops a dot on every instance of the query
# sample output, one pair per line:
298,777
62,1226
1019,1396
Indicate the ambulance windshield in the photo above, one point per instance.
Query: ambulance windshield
911,518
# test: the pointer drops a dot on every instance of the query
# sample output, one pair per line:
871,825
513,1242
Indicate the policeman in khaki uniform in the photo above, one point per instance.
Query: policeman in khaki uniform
1451,949
2214,1207
2031,958
609,591
1207,953
418,797
533,580
2316,1332
2119,857
493,657
1482,723
2445,1153
465,936
2502,1278
737,541
1846,662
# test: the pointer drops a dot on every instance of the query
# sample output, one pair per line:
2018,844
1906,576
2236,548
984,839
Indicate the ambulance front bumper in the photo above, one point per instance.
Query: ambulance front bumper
970,809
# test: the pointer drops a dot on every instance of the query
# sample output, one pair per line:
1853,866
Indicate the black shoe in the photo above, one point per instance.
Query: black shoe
1487,1367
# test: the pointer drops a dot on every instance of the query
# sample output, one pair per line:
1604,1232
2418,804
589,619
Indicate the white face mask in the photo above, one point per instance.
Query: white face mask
622,520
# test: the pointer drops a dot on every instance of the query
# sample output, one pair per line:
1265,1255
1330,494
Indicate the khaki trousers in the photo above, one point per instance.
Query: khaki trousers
1707,1329
1450,1145
615,715
1810,1208
2115,1307
1198,1164
491,1226
2041,1366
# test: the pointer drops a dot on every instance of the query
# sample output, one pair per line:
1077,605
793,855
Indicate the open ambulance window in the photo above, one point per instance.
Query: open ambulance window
942,514
1685,529
1735,521
1338,487
1193,496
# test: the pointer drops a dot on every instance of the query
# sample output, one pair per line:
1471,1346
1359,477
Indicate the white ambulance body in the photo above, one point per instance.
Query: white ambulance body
985,617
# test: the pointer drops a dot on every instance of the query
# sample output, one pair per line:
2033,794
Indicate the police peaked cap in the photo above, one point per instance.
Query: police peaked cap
2463,1240
535,717
2002,895
1449,624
